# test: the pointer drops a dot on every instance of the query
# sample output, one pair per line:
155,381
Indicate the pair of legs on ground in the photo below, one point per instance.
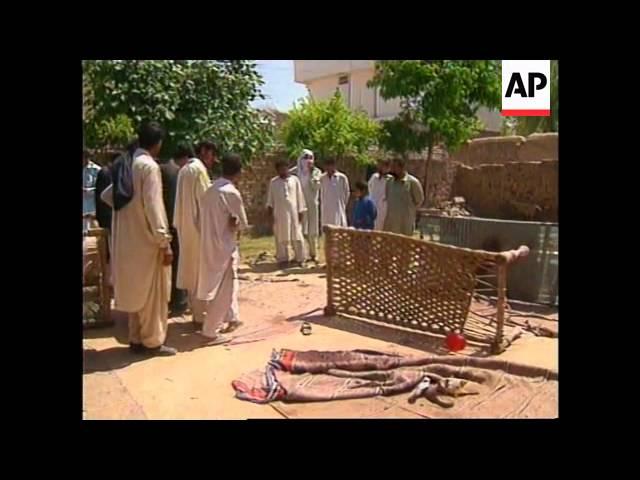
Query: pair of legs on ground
148,327
220,314
282,249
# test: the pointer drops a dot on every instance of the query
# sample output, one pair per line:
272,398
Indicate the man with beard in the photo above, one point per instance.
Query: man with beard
404,195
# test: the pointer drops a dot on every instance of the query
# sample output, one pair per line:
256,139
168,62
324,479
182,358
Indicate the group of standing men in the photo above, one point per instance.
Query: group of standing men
141,198
301,199
206,217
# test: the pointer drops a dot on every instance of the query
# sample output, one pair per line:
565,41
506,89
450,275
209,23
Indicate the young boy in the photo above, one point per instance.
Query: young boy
364,211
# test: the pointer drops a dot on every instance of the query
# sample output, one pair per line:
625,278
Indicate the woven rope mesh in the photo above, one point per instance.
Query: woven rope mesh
399,280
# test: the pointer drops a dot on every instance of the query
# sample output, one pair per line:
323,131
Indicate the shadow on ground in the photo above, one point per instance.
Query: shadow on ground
425,342
181,335
273,268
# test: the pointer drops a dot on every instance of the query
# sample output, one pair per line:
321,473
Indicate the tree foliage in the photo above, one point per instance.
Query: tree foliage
330,129
439,99
191,99
115,132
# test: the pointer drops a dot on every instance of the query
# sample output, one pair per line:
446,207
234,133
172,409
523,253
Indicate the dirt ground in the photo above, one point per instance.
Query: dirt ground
196,383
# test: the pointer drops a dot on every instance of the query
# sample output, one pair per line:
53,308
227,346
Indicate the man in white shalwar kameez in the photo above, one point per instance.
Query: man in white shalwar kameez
309,177
193,181
334,195
141,256
377,191
286,205
222,215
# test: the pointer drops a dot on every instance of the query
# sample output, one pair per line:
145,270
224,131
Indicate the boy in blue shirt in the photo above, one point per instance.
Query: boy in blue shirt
364,211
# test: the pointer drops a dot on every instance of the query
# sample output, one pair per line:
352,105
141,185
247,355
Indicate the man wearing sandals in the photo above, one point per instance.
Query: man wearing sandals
222,215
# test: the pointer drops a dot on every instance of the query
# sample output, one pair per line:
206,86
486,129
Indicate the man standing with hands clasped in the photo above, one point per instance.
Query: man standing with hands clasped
286,205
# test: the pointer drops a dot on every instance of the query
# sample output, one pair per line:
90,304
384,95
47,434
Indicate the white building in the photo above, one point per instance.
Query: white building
323,77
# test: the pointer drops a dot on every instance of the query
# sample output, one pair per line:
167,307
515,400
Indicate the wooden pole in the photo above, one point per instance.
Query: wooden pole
330,309
501,301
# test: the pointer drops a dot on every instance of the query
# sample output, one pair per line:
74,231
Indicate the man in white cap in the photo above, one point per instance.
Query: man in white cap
309,176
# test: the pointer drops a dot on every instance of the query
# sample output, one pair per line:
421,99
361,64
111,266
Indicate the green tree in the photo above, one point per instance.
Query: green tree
191,99
330,129
528,125
439,99
115,132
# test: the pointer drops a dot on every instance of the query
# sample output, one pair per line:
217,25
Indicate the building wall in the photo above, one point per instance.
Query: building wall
492,120
492,150
323,88
362,97
357,95
308,70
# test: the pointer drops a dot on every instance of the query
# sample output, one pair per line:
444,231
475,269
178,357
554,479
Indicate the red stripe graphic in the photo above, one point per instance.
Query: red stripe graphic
525,113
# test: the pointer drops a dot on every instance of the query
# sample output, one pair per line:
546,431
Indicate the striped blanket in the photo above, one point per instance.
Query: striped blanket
461,386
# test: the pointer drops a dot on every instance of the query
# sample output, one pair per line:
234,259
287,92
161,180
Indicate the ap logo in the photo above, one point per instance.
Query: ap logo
526,88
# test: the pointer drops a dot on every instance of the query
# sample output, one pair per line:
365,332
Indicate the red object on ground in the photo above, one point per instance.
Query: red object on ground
455,342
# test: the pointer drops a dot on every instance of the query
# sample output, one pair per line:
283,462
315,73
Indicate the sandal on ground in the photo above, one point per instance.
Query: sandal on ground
230,327
161,351
217,340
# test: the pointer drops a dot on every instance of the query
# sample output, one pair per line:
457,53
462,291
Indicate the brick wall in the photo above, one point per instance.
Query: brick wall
493,150
509,177
253,185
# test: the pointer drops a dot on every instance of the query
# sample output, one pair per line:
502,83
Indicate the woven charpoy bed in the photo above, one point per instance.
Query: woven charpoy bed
96,297
440,386
416,284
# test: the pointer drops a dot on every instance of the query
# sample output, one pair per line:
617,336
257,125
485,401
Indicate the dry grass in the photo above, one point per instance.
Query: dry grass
251,247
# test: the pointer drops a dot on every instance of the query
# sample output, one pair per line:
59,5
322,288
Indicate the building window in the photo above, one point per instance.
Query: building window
344,87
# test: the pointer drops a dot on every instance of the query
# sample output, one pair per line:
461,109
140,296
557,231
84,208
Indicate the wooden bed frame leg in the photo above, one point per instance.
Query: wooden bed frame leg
502,298
330,309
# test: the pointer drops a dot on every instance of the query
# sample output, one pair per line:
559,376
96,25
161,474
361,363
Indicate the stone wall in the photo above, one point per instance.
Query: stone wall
440,178
494,150
253,186
513,177
515,191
